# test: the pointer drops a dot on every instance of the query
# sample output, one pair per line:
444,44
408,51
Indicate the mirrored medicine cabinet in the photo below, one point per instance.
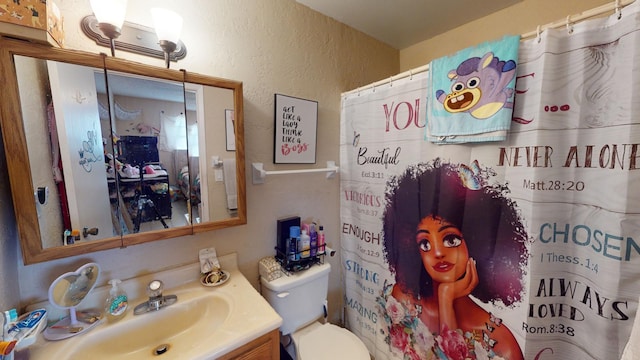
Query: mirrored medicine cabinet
105,153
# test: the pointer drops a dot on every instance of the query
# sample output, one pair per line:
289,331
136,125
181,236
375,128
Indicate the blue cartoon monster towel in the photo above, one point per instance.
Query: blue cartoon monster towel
471,93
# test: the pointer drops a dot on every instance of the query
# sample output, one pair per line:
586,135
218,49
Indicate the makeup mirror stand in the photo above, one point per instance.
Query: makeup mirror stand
67,292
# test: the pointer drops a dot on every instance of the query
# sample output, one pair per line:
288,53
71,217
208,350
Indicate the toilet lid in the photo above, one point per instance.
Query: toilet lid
331,342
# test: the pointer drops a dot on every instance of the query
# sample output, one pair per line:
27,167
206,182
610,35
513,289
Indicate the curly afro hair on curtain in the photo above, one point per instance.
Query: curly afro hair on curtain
489,221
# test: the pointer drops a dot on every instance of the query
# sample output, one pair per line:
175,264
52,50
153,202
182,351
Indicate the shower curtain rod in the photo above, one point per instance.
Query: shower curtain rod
615,6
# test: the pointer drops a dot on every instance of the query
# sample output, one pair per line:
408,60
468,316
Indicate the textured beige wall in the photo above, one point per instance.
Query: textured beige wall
275,46
518,19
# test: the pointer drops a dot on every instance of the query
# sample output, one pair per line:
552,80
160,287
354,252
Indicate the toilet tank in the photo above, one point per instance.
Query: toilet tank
298,298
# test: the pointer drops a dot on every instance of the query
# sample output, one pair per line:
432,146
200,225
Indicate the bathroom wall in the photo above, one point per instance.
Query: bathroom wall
275,46
521,18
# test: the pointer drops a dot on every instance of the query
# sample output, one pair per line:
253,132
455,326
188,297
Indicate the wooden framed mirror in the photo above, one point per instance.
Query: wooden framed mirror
75,126
220,100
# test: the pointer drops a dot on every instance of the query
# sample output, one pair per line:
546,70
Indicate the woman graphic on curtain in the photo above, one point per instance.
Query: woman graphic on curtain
448,235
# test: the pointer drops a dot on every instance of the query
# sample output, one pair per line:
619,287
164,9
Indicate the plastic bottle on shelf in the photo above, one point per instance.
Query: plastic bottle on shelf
294,240
305,245
313,240
321,241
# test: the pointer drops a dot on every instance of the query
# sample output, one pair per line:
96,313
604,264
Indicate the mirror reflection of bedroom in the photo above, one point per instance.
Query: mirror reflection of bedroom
97,142
152,151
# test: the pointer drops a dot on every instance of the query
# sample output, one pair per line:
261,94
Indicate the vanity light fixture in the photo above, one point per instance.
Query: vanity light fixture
168,25
108,30
110,15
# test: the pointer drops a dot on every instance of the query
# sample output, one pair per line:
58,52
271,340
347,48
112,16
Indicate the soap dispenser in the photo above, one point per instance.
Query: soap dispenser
117,302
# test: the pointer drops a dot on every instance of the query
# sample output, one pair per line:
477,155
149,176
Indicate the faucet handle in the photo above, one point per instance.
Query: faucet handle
156,300
154,289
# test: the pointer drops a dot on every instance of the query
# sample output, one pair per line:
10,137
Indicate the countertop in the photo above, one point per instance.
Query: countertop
250,318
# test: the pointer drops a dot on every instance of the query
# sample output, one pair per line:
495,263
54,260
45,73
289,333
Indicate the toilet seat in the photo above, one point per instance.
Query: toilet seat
327,341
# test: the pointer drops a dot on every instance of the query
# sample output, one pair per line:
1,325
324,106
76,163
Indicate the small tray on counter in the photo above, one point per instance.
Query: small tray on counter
215,278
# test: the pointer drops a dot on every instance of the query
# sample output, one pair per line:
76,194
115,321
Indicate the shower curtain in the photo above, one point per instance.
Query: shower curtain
564,283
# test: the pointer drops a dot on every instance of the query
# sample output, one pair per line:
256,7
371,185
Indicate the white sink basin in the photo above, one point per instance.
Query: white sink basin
205,322
171,331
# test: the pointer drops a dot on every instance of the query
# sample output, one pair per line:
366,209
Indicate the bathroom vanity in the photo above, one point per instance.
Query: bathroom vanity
264,347
228,321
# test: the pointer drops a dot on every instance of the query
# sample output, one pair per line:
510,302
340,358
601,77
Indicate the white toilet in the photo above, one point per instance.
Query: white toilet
300,300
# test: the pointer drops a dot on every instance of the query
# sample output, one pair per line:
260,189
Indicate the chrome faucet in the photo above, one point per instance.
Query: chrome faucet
156,300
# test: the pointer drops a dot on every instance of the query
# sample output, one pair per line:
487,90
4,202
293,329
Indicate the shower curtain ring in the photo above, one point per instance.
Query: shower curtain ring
618,10
410,74
569,26
391,81
538,33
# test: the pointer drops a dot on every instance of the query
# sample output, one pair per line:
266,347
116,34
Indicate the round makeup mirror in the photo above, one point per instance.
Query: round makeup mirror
67,292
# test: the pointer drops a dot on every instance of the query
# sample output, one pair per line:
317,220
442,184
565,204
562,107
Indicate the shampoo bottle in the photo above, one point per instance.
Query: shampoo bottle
313,236
117,301
293,241
321,241
305,244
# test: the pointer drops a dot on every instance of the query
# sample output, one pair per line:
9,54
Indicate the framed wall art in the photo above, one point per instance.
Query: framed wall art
295,130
